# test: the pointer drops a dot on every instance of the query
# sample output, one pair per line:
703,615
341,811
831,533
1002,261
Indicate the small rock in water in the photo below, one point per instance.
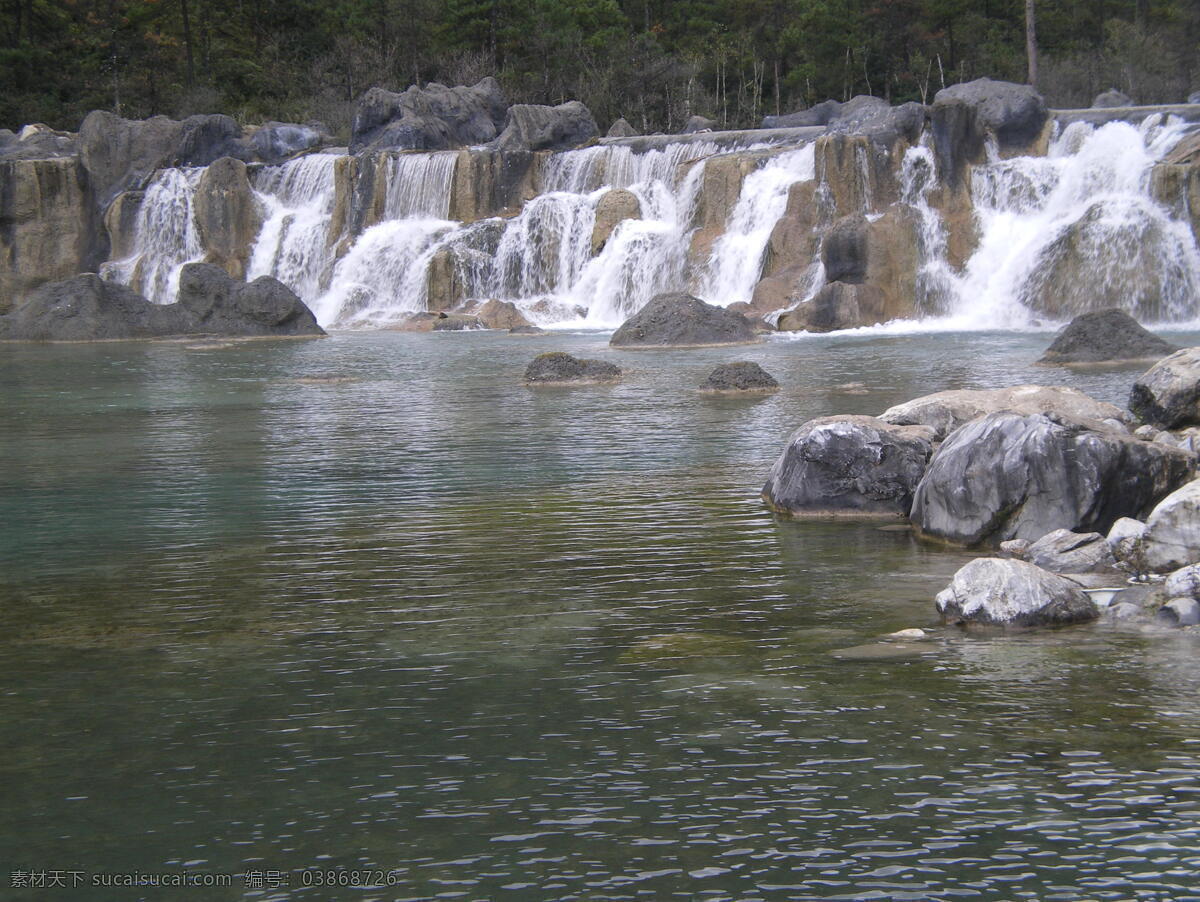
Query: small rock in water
912,633
559,368
882,651
742,376
1180,612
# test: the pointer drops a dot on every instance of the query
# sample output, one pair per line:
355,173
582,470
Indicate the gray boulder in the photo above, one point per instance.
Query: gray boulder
1000,592
1168,394
621,129
559,368
1110,99
947,410
1125,541
838,305
1172,536
818,115
1008,476
742,376
275,142
964,116
680,320
849,465
1184,582
216,304
697,124
1105,336
431,118
532,127
37,142
1063,551
875,118
1179,612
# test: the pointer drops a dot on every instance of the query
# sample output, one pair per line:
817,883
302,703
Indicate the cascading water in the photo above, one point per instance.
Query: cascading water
737,258
937,283
165,237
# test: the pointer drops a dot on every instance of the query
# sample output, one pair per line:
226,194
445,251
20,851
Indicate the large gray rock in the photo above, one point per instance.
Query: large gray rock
1179,612
621,129
275,142
1063,551
682,321
87,308
431,118
1110,99
1183,583
964,116
1172,536
742,376
532,127
1008,476
817,115
37,142
849,465
1105,336
861,115
559,368
947,410
1002,592
1168,394
697,124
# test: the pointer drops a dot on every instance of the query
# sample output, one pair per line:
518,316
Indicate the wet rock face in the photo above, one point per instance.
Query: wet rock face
1168,394
431,118
558,368
837,305
849,465
227,215
1002,592
496,314
532,127
680,320
742,376
1103,336
614,208
1008,476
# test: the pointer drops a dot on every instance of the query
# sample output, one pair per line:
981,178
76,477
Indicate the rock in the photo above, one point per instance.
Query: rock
1184,582
836,306
444,285
621,129
698,124
1125,541
848,465
37,142
817,115
526,330
964,116
946,411
1063,551
1168,394
1179,612
558,368
1111,98
1108,335
431,118
844,250
496,314
912,633
1147,433
1194,97
204,139
1123,611
743,376
87,308
275,142
614,207
533,127
1008,476
1172,536
227,215
456,322
876,119
682,321
1013,593
1018,548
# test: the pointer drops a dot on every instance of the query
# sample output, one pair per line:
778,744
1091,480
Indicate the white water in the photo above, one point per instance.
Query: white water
165,237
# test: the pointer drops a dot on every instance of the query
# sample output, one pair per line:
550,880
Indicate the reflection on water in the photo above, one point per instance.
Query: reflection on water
370,603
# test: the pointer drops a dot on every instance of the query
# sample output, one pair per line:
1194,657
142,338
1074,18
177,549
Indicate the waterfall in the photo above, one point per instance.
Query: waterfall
418,185
164,239
1078,230
738,255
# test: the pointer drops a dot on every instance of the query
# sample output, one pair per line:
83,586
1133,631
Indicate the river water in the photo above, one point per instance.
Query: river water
300,608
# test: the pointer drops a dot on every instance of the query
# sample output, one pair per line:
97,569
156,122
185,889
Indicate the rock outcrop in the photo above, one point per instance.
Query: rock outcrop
742,376
614,208
1008,476
1000,592
1168,394
559,368
1105,336
435,117
849,465
227,215
532,127
682,321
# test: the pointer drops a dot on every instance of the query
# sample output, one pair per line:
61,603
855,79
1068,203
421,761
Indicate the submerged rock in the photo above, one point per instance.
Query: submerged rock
217,304
682,321
849,465
1168,394
559,368
742,376
1004,592
1105,336
1007,476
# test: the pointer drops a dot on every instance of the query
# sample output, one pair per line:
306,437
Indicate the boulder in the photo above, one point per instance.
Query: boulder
614,207
621,129
431,118
947,410
849,465
456,322
227,215
1018,548
1110,99
275,142
964,116
1172,536
1013,476
559,368
876,119
1063,551
1000,592
1125,541
87,308
496,314
1179,612
817,115
532,127
1184,582
37,142
742,376
698,124
1168,394
1105,336
682,321
837,305
216,304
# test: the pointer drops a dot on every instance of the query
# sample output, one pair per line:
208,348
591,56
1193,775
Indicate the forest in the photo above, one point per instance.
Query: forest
655,62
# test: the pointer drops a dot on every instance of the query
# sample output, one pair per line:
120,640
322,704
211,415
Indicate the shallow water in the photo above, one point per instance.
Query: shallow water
369,603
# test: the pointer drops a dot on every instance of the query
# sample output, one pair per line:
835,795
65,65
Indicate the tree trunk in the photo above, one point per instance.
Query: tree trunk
1031,42
187,43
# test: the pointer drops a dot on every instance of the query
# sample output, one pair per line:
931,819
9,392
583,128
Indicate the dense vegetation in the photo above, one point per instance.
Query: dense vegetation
656,62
